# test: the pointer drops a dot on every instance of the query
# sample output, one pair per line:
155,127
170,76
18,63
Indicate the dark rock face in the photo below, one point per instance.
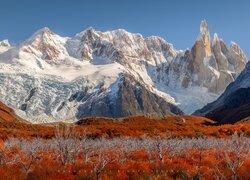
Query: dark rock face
235,108
31,93
234,104
132,99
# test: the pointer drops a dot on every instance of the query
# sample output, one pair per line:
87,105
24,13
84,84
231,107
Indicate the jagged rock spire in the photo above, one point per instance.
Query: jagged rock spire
203,38
216,39
203,30
202,46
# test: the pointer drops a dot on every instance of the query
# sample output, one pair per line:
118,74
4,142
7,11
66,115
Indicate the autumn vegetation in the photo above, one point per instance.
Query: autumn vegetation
176,147
70,155
136,127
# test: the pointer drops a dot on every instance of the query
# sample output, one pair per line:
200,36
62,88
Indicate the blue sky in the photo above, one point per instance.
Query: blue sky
177,21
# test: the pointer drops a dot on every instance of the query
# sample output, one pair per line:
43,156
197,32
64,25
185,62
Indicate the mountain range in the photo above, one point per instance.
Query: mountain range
49,78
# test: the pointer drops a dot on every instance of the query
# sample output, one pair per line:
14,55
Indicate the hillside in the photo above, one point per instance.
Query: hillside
233,105
137,126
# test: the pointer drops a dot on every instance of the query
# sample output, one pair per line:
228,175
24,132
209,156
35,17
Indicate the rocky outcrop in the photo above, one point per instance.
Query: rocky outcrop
132,98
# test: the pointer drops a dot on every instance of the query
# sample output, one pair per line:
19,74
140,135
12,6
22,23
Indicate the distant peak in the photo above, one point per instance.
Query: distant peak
45,30
216,39
232,43
202,44
121,31
235,46
40,34
5,43
203,30
203,26
90,29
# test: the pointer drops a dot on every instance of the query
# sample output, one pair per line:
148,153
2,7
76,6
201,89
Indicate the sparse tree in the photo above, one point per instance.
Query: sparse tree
28,154
68,144
237,153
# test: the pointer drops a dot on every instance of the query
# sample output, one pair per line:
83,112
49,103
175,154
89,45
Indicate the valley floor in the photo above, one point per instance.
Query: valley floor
177,147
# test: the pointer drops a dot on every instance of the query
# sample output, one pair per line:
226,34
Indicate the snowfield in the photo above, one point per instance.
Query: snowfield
53,86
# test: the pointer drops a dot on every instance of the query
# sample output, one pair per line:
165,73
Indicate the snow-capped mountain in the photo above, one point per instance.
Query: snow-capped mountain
114,74
4,46
234,104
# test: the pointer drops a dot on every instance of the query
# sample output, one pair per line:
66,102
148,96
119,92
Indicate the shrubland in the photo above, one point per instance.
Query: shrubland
178,147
